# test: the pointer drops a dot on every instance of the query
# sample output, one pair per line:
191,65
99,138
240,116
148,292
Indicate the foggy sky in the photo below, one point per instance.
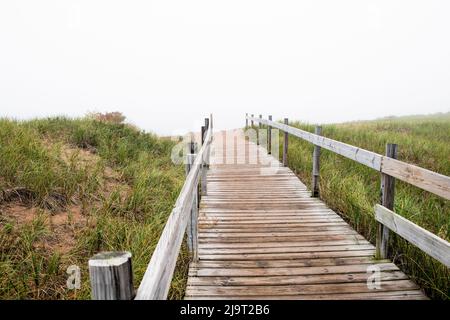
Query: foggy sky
167,64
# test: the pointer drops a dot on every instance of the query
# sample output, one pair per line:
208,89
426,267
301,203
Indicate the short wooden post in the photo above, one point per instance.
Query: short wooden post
316,166
246,121
206,123
211,121
111,276
252,123
260,123
285,145
269,137
387,200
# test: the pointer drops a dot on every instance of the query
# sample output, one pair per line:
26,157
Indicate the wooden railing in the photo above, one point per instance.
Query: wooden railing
390,168
111,272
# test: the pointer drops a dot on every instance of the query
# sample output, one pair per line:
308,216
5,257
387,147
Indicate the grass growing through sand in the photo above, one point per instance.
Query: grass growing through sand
353,189
73,187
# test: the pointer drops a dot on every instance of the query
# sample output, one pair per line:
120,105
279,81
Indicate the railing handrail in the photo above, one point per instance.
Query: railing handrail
157,279
426,241
425,179
389,168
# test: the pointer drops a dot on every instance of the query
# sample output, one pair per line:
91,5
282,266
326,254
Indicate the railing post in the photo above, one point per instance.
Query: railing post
111,276
316,166
269,137
387,200
190,150
203,130
246,121
258,142
190,158
194,224
208,126
285,145
252,123
204,189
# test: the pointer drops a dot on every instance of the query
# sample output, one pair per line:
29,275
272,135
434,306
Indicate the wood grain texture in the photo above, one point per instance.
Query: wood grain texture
316,166
425,179
431,244
111,276
262,236
387,200
158,276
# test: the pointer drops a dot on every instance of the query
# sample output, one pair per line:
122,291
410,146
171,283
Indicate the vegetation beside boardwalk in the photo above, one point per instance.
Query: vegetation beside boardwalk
73,187
353,189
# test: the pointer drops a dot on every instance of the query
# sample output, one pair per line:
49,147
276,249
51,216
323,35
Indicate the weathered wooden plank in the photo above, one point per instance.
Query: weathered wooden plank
347,277
383,295
268,228
425,179
321,248
346,230
290,255
282,244
431,244
320,262
317,237
283,231
279,271
298,289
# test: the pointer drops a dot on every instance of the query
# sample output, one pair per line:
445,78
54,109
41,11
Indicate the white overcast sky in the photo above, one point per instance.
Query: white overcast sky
166,64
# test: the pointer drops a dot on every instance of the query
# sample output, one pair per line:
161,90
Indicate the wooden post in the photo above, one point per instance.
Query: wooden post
246,121
316,166
252,123
203,166
194,224
387,200
211,121
192,229
285,145
258,142
269,137
190,150
190,158
260,118
206,123
203,130
111,276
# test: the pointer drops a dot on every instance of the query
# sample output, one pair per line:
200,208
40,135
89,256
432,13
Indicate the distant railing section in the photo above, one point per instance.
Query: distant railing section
111,272
390,168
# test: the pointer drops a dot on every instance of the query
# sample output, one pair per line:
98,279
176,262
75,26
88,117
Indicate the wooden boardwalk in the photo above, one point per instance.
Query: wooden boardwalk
262,236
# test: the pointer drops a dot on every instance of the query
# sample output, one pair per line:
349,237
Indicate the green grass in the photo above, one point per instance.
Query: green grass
353,189
126,211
